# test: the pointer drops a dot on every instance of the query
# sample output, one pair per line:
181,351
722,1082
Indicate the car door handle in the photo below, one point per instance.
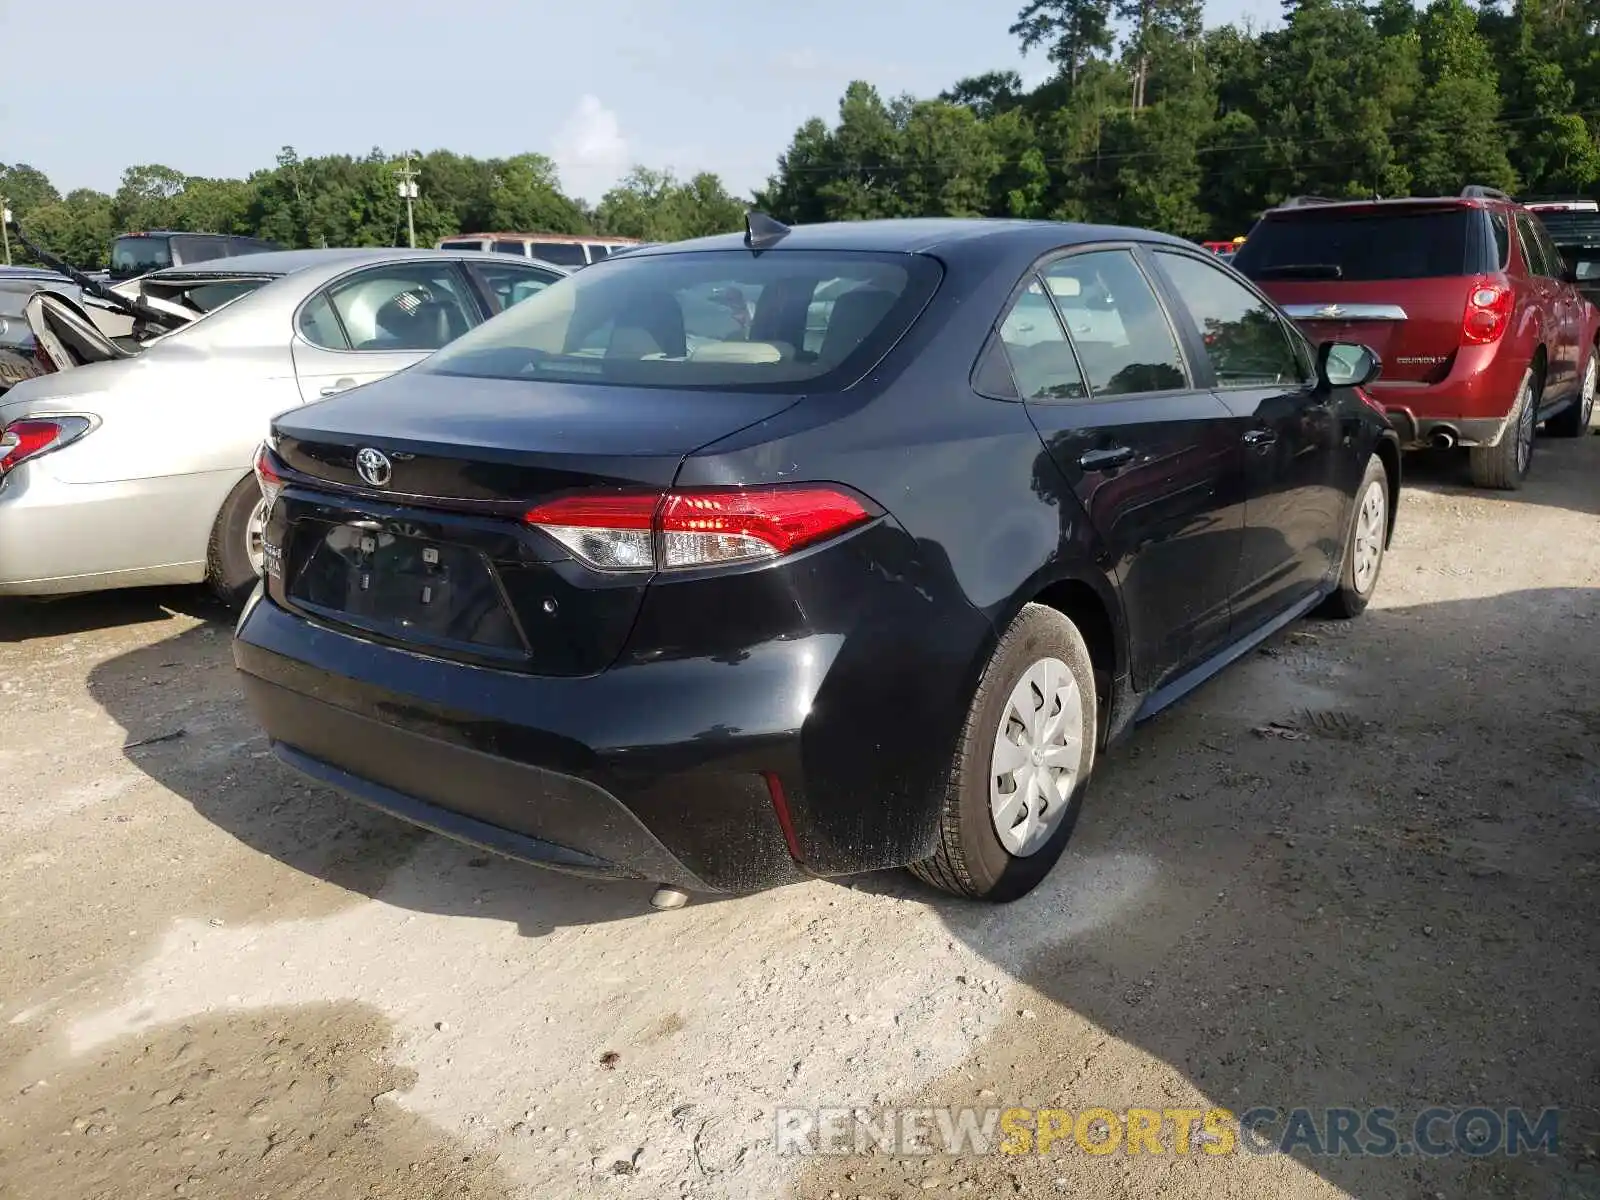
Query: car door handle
1107,459
338,386
1260,437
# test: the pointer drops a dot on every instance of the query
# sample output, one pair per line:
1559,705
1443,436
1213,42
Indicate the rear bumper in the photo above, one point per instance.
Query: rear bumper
58,538
1469,407
657,770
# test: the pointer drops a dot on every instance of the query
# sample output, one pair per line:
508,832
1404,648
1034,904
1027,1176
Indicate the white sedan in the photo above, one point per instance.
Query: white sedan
131,464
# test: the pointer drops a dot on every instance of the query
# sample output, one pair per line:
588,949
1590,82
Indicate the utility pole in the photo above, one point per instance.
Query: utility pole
408,193
5,227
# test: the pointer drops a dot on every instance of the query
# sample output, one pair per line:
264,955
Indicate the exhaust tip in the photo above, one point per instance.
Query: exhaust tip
1443,439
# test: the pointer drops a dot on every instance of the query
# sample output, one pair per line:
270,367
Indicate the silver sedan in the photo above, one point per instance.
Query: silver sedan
133,465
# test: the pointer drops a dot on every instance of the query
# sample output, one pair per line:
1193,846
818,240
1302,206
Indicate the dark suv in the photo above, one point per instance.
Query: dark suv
1482,331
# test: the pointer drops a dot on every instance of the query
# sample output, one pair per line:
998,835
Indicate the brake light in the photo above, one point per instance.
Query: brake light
665,531
1488,313
32,436
267,476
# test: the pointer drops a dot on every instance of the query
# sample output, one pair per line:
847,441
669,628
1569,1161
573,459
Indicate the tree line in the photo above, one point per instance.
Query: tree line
1152,120
1148,118
340,200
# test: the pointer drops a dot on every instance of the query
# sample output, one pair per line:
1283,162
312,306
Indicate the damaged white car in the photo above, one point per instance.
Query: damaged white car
128,460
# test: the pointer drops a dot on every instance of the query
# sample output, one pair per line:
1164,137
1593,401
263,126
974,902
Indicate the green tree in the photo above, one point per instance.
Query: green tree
1073,32
658,207
1453,136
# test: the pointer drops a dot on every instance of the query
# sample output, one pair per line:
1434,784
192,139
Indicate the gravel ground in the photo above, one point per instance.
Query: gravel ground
1360,868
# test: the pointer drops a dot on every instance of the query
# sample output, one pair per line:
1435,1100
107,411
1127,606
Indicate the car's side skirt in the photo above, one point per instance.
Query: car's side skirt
1170,693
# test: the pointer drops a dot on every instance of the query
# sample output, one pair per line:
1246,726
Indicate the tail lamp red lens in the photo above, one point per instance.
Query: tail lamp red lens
1488,313
644,531
33,436
267,475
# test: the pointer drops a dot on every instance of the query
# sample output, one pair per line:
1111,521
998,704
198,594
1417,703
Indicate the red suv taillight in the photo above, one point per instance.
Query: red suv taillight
33,436
1488,313
650,531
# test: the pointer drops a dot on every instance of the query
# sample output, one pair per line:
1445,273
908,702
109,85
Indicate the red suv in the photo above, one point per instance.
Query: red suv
1481,329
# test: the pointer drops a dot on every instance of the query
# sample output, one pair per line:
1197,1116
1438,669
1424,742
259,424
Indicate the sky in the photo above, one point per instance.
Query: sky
216,89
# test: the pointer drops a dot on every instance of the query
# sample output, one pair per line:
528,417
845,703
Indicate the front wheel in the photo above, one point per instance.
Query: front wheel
1024,759
233,560
1573,421
1364,545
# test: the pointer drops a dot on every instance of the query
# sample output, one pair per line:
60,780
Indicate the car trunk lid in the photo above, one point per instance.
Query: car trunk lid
417,536
1395,276
1413,325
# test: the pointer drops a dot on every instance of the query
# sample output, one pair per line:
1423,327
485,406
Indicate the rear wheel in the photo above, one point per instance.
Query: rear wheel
1573,421
1023,762
1505,466
233,560
1364,544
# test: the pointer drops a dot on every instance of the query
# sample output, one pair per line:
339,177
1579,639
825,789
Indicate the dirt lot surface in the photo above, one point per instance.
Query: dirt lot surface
218,981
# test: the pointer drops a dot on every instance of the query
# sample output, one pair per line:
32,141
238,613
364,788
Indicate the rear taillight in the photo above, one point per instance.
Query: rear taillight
647,531
29,438
1488,313
267,476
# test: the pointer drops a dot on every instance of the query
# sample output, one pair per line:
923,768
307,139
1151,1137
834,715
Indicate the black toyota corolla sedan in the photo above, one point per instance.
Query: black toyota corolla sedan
807,551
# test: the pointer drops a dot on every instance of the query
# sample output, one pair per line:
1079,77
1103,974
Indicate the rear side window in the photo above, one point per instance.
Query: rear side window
1502,239
596,253
795,320
1042,362
1361,245
468,244
563,254
517,248
1533,252
1124,341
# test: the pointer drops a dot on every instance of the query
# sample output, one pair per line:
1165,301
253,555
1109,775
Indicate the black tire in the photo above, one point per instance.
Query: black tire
971,861
1350,598
1504,466
1573,421
229,572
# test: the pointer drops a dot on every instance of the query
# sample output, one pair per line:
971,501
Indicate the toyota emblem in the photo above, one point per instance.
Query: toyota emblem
373,466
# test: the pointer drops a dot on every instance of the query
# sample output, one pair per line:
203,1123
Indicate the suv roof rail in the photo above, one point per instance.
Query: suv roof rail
1302,201
1475,191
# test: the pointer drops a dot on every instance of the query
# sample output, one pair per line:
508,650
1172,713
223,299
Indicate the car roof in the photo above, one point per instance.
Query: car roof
925,235
290,262
1313,206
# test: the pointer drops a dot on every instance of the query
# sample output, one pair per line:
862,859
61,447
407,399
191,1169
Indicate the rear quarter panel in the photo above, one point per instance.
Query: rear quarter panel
980,517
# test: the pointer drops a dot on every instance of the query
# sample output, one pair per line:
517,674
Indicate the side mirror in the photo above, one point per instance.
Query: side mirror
1345,364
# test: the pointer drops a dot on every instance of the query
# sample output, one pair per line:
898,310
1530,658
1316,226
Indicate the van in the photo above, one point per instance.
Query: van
565,250
135,254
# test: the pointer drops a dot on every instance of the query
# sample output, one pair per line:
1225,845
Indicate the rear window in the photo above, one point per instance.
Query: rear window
132,256
202,296
563,254
1354,246
1571,228
784,321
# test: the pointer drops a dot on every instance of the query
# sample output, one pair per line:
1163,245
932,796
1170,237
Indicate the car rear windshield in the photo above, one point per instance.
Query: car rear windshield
201,295
131,256
1571,228
785,320
1361,245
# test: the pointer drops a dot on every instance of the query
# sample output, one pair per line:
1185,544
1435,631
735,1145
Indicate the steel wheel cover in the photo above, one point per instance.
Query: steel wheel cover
1037,757
1371,521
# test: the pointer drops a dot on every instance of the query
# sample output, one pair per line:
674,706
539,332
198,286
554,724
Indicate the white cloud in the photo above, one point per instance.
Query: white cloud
590,151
